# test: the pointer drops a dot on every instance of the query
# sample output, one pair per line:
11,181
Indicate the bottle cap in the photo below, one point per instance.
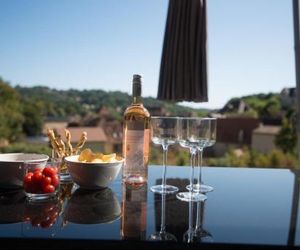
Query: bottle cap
137,85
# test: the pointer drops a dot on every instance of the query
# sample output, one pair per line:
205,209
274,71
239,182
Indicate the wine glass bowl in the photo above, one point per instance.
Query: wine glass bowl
164,133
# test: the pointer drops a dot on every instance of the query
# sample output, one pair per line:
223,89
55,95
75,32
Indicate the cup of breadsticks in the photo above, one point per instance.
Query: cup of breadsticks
63,148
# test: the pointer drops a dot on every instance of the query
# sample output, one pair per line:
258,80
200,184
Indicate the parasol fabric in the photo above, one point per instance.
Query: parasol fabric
183,69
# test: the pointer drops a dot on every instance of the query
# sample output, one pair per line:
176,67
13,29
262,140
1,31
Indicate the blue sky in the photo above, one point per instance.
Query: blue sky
88,44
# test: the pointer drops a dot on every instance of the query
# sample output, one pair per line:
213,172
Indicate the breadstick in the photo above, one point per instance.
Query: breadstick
69,148
61,145
80,143
54,144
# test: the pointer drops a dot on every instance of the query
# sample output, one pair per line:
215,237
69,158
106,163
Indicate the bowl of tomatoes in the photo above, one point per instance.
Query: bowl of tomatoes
41,183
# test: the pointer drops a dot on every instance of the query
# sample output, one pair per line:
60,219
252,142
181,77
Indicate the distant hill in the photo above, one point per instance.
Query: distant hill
257,105
66,103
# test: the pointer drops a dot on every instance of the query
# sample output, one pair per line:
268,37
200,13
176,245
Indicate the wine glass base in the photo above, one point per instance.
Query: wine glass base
200,188
189,196
164,189
162,236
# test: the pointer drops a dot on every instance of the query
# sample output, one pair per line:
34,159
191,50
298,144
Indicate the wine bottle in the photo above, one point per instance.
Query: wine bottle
136,138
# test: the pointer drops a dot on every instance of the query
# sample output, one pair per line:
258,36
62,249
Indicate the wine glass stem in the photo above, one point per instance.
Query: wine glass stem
165,155
193,152
200,157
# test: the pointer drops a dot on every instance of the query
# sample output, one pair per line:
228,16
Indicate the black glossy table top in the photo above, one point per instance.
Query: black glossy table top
248,206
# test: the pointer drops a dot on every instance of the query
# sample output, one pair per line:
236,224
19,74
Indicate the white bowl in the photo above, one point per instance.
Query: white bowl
11,167
90,175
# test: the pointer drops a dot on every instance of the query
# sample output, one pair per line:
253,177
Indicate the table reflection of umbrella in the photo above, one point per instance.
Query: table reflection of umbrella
183,70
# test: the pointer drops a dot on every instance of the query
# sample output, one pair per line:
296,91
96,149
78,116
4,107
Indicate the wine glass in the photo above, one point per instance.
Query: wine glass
200,234
162,235
164,133
209,131
190,135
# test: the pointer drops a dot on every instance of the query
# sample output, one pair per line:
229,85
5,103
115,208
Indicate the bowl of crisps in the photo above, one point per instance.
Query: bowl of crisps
92,170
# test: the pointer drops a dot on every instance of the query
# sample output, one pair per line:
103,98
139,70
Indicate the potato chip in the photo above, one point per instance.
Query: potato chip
109,157
118,158
86,155
98,155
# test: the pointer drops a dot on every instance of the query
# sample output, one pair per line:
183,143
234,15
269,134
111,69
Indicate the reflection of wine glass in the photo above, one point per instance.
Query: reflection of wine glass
192,135
209,131
164,133
188,235
162,235
200,234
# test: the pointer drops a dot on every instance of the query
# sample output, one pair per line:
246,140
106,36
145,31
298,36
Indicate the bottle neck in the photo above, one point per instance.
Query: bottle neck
137,100
137,90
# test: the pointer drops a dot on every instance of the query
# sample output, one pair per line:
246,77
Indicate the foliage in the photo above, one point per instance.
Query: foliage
33,119
286,139
11,116
251,158
22,147
64,103
176,156
261,105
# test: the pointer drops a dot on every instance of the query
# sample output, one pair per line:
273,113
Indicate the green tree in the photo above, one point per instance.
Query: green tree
286,139
11,116
33,118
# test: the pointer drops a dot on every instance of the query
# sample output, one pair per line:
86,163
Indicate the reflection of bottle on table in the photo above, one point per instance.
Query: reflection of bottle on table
134,213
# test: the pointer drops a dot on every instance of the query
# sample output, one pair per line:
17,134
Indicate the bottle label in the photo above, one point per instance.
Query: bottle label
134,150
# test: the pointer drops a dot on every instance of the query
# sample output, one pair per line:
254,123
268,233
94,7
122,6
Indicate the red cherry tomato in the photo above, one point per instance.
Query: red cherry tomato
46,181
27,179
29,174
50,171
37,177
55,181
54,169
49,189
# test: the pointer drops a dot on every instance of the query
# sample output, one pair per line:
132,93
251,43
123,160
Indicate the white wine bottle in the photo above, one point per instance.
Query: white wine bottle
136,138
